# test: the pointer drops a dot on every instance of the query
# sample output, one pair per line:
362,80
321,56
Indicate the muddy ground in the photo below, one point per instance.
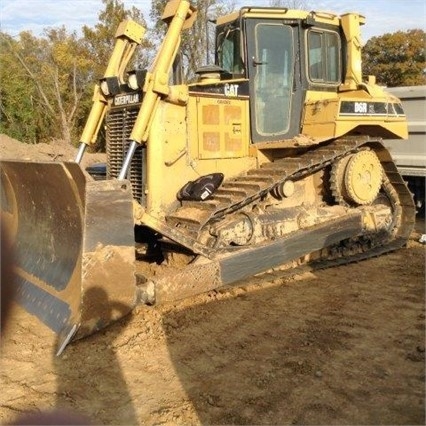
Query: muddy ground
344,345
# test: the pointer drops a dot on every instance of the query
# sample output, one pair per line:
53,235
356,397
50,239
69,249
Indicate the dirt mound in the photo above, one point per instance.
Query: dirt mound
58,150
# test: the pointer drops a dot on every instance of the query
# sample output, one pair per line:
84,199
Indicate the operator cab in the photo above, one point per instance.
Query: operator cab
262,45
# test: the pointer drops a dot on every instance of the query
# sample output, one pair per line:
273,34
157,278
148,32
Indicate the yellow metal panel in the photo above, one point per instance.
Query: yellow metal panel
284,13
211,143
210,114
232,144
233,114
132,30
222,127
172,8
323,117
174,161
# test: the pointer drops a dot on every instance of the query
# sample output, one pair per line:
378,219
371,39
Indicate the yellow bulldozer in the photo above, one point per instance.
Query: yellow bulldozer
271,158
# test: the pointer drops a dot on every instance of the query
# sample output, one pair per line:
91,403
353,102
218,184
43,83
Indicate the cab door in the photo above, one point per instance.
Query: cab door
273,66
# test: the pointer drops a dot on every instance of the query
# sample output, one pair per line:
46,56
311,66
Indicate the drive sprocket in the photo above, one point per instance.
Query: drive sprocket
363,177
357,178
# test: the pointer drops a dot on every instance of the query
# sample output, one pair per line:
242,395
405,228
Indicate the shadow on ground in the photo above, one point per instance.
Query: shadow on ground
345,347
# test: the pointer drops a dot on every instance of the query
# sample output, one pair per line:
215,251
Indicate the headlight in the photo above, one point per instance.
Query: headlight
104,87
136,79
110,86
132,81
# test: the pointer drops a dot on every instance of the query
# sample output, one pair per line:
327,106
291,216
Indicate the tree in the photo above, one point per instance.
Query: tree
100,39
47,82
198,42
17,97
396,59
54,68
291,4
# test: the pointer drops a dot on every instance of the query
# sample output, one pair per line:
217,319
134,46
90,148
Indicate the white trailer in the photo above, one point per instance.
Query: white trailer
410,156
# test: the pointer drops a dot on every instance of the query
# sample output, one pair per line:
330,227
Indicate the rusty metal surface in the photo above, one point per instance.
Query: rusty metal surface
66,235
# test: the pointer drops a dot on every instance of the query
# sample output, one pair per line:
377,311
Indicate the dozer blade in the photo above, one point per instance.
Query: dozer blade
73,245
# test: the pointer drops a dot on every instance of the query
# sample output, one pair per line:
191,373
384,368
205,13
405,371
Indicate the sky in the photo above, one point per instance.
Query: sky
382,16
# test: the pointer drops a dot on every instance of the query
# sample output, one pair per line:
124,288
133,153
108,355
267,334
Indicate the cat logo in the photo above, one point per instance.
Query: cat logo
231,89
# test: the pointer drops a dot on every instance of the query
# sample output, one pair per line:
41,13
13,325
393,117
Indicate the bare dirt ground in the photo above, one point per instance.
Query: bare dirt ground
344,345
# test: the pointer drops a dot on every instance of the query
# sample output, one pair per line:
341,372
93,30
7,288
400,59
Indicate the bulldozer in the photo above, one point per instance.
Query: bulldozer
272,157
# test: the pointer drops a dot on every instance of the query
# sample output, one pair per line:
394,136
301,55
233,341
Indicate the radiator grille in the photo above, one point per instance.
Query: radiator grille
119,124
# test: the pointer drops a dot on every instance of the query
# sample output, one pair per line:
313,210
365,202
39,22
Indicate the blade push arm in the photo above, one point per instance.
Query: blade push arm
128,36
180,14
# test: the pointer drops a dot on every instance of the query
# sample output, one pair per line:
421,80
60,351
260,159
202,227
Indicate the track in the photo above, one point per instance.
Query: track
185,224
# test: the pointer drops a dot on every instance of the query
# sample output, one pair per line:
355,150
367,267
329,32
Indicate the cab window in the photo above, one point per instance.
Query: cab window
324,57
229,50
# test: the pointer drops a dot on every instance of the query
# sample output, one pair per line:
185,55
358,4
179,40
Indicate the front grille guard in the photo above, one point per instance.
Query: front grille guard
119,125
